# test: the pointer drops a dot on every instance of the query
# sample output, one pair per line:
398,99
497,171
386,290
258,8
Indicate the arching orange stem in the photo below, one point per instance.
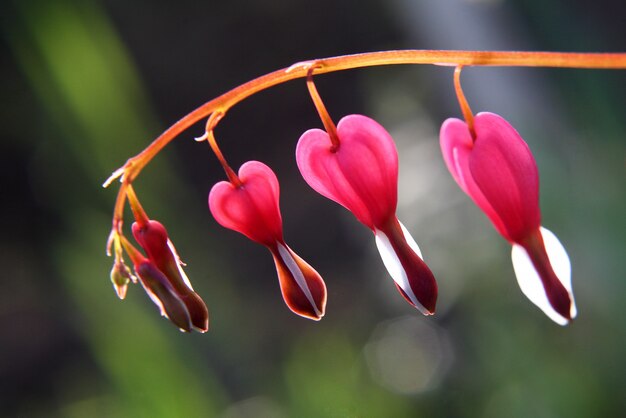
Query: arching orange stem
221,104
329,125
210,126
465,108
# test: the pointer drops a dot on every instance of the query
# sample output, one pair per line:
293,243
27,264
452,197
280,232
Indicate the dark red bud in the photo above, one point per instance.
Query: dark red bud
163,295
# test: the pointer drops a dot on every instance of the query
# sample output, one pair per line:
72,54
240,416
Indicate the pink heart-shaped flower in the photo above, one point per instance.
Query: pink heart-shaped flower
361,174
498,171
252,209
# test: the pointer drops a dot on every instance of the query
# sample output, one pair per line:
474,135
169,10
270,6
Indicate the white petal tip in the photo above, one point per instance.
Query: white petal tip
201,138
530,282
394,266
119,173
299,278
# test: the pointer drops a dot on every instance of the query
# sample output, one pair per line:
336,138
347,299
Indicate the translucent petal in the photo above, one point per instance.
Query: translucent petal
409,239
251,209
457,146
302,287
497,170
504,169
361,175
395,267
163,295
298,276
530,283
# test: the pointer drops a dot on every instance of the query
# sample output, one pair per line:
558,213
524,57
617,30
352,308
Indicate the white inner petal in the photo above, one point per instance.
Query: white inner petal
178,264
394,266
409,239
530,283
297,275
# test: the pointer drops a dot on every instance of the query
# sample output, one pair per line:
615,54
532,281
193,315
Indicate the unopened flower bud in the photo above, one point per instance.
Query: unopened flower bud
153,238
120,277
163,295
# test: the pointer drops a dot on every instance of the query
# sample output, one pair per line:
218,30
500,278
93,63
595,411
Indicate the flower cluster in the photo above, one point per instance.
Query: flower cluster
355,164
159,271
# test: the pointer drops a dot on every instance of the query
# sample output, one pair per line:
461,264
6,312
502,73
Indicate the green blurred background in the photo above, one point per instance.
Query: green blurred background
87,84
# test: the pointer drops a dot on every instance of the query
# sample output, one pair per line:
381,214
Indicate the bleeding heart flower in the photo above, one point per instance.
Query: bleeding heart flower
361,174
252,209
164,273
498,171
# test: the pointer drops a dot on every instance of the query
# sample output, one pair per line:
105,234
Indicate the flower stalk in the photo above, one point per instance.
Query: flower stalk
132,168
304,291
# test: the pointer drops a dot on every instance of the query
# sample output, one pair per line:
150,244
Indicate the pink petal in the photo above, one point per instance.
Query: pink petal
497,171
251,209
457,146
504,169
361,175
153,239
302,287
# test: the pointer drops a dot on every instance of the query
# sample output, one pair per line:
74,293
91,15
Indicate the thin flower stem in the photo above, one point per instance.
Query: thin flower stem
465,107
329,125
210,126
133,253
223,103
370,59
140,214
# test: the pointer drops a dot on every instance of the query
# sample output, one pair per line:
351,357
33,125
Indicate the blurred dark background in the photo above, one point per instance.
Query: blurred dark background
87,84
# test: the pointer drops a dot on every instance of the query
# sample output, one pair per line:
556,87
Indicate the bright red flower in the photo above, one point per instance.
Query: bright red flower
361,174
152,237
497,170
252,209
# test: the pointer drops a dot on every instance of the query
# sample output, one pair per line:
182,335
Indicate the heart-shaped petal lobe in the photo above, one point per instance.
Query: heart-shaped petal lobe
252,208
497,170
456,146
361,174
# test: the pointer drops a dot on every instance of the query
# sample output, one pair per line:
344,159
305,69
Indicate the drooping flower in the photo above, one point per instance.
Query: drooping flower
152,237
252,209
159,288
497,170
359,170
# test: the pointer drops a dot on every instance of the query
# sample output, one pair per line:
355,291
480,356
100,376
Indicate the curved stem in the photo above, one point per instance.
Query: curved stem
140,214
329,125
468,115
222,103
370,59
210,126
